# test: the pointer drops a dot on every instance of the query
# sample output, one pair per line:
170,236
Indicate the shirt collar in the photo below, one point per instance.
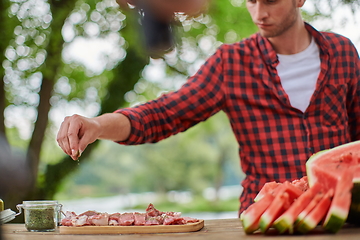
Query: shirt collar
270,56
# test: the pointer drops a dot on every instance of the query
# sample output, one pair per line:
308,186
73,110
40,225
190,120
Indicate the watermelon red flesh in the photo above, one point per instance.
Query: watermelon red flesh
285,194
276,208
293,191
286,221
250,217
340,204
328,173
296,188
335,160
317,214
268,188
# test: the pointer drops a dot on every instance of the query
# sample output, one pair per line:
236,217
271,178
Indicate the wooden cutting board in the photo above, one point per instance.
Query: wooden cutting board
189,227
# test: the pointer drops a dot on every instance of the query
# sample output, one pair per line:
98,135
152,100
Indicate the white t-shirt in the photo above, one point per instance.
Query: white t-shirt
299,73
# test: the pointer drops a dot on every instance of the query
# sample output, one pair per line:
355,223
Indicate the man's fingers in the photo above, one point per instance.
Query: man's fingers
76,133
73,135
62,137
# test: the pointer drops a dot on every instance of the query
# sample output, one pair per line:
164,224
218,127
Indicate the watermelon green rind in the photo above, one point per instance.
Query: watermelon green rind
274,210
283,224
249,225
250,217
265,222
315,200
355,192
341,202
306,225
354,213
287,219
311,178
317,214
335,221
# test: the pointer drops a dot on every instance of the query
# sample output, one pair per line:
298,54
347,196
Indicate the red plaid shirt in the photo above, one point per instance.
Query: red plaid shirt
275,139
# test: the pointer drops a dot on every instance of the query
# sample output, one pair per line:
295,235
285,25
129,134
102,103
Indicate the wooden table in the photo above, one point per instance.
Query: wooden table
214,229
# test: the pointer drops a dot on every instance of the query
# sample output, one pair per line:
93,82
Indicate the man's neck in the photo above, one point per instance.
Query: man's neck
293,41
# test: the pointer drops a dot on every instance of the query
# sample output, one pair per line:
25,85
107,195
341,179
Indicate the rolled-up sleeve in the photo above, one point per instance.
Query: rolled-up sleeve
198,99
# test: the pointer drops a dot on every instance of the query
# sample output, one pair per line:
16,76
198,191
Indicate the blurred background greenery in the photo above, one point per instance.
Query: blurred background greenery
61,57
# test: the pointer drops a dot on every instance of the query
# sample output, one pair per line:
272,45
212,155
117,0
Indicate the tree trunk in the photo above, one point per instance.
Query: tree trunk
60,11
50,69
6,26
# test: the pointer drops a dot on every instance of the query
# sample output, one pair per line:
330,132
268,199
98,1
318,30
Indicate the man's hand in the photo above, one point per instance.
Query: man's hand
77,132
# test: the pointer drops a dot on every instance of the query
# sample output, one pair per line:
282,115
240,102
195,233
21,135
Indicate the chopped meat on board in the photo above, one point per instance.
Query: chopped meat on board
151,217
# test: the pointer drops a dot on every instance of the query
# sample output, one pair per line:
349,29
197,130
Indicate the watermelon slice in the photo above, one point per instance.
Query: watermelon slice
336,216
285,195
276,208
317,214
286,221
268,188
300,218
333,160
331,194
326,167
250,218
296,187
354,213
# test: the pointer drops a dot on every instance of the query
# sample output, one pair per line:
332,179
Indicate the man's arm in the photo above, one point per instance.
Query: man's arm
77,132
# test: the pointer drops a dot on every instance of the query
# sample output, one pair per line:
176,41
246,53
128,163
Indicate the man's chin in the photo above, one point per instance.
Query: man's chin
267,34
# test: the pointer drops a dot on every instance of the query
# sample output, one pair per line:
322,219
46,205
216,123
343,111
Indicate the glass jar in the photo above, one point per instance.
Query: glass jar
40,216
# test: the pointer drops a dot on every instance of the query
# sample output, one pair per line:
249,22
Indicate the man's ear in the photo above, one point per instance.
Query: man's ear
300,3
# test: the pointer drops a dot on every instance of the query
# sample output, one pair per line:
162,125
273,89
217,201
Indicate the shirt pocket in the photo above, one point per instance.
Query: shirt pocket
333,107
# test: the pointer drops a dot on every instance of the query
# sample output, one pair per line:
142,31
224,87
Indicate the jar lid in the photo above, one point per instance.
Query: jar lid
40,203
6,216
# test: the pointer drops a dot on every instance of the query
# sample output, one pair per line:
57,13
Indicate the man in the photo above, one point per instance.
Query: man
289,91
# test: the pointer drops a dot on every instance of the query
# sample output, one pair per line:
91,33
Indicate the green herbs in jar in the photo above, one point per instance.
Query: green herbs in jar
40,219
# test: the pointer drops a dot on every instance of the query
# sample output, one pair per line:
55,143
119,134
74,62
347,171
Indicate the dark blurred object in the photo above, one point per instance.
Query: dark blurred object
157,18
14,172
158,32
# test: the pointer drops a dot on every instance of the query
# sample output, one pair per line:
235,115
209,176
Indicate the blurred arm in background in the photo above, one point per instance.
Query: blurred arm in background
157,17
166,8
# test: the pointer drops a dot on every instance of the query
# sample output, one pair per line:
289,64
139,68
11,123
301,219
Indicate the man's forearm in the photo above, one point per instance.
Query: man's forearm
114,126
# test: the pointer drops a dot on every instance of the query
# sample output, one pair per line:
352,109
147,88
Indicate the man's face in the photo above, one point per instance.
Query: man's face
273,17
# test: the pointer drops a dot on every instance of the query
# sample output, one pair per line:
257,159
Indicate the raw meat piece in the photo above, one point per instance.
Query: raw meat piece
100,219
139,219
174,221
152,221
126,219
